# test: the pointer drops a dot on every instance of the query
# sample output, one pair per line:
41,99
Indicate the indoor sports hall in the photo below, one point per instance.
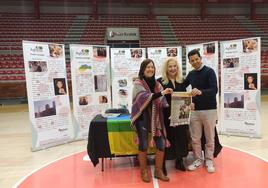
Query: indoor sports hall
67,69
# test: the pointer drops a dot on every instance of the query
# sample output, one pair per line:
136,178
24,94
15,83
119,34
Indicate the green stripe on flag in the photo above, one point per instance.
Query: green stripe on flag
118,126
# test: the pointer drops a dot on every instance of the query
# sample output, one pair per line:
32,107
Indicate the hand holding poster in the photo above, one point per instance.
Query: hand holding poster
180,108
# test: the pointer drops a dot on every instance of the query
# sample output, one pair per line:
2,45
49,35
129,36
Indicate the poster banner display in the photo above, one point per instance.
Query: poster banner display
125,65
159,56
240,87
48,96
90,84
180,108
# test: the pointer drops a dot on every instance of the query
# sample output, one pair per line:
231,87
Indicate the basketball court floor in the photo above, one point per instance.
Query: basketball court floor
243,161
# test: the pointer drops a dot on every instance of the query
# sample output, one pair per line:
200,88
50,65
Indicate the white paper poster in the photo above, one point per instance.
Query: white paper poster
159,55
125,66
48,96
240,87
180,108
90,84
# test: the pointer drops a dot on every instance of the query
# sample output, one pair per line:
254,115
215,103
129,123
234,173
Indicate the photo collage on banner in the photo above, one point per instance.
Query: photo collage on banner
125,65
240,87
90,84
160,55
48,96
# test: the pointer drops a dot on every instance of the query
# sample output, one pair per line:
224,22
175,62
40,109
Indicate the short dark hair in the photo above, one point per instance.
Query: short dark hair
143,66
193,52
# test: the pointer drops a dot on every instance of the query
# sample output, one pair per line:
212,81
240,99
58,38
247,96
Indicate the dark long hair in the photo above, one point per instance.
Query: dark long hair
143,66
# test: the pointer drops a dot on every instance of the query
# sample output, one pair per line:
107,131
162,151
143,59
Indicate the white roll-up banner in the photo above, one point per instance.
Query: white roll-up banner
241,87
90,84
48,95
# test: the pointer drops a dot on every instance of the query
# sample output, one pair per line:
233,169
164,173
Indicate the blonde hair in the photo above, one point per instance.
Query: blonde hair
165,77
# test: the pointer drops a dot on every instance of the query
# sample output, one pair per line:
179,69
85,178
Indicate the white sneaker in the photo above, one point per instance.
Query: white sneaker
197,163
210,166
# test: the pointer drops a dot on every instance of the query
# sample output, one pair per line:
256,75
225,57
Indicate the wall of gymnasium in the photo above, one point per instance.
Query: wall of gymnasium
128,8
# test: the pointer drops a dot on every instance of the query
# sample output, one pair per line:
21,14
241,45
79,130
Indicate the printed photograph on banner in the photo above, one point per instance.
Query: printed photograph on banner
250,45
44,108
209,48
233,100
83,100
250,81
100,83
122,98
85,68
180,108
136,53
99,52
250,101
122,82
123,92
37,66
60,86
103,99
231,62
172,52
55,50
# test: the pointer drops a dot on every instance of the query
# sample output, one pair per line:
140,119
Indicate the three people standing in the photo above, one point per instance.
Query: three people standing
151,112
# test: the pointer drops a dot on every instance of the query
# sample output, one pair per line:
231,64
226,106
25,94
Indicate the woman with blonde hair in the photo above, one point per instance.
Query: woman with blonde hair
172,78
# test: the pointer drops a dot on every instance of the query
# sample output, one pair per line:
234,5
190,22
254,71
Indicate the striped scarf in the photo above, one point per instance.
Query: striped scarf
142,97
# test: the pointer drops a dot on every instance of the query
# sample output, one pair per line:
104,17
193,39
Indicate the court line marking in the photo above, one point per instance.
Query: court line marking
42,166
155,181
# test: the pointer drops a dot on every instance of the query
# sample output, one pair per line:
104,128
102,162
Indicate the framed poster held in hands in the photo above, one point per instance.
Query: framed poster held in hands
180,108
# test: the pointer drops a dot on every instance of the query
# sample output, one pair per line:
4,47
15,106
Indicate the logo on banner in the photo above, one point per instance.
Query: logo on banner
120,52
37,49
156,52
231,47
83,52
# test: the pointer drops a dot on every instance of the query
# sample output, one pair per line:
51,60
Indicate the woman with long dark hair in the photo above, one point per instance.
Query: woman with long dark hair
147,117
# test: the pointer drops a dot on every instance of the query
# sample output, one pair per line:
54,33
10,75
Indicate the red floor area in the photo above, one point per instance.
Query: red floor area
234,169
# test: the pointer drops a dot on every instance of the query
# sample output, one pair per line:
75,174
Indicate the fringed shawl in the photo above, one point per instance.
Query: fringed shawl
142,97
